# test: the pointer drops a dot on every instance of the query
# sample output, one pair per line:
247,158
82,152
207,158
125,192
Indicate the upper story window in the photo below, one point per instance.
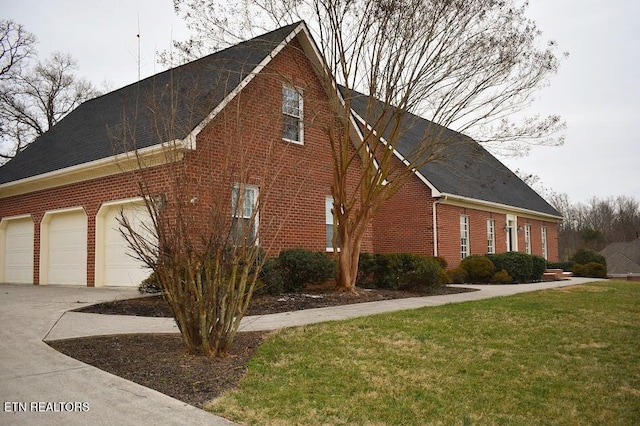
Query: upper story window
244,204
292,127
491,236
464,237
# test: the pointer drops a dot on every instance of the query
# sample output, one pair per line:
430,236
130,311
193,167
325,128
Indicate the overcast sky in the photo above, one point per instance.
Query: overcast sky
597,90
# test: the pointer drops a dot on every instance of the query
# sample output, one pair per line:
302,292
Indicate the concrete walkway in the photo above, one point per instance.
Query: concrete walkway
31,372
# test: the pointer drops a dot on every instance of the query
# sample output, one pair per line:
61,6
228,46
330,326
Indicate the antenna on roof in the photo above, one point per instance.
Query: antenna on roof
138,35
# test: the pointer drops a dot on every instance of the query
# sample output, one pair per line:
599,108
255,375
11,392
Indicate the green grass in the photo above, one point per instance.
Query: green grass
567,356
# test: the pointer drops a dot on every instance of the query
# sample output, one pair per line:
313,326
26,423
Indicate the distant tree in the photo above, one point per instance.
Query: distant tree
34,96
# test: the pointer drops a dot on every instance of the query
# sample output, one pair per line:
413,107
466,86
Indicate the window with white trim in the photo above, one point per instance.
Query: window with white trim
330,221
464,237
244,204
545,252
491,236
527,238
292,128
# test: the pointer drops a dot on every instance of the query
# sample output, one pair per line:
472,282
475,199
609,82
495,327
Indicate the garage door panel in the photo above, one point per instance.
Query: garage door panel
121,266
67,254
18,255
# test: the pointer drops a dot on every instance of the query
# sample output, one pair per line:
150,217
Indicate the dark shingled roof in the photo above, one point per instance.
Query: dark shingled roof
136,115
623,257
463,167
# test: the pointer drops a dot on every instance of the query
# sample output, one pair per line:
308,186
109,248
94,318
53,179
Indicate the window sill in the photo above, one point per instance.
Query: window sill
301,143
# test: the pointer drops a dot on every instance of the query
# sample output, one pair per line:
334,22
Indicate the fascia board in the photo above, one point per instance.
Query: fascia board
115,164
458,200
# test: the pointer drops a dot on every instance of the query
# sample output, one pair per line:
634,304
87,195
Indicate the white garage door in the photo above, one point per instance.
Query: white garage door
18,255
67,263
121,267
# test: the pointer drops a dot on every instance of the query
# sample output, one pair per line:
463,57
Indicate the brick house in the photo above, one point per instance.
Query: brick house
60,197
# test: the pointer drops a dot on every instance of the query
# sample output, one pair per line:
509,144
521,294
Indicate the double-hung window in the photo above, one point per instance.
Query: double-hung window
527,238
330,223
244,204
464,237
491,236
545,252
292,128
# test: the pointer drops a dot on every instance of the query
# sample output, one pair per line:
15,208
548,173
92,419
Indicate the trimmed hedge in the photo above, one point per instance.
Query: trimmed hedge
590,270
518,265
400,271
479,269
293,269
539,266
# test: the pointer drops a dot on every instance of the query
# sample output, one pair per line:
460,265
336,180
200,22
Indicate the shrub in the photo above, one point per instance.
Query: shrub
479,269
518,265
299,267
150,285
270,278
427,273
539,266
584,256
590,270
399,271
366,269
457,275
501,277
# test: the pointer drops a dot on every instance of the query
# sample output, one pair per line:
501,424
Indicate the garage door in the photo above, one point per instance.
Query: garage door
67,260
18,255
121,267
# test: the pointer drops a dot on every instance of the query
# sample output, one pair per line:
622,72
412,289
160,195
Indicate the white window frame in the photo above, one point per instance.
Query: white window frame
545,250
290,112
329,222
527,238
491,236
465,243
244,215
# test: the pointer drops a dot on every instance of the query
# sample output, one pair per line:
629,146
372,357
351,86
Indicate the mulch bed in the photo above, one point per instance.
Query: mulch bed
160,361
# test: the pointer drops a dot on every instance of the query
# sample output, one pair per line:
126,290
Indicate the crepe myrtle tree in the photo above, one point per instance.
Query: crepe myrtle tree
469,65
201,233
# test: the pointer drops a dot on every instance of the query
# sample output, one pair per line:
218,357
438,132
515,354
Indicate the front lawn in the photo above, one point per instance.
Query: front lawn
562,356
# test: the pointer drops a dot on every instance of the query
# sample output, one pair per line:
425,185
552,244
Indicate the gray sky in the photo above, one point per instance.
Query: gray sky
597,90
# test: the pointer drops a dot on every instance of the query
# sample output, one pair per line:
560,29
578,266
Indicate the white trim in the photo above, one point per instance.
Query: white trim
300,117
115,164
453,199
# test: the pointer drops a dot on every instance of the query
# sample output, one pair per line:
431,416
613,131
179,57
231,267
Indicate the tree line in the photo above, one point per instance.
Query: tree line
595,223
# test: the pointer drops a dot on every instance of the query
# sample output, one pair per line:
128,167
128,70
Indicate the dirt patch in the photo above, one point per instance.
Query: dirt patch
160,361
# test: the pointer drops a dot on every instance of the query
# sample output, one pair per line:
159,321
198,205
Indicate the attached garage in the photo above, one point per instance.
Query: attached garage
16,250
116,264
63,250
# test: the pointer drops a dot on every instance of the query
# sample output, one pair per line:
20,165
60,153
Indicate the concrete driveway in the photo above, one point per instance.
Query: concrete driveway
39,385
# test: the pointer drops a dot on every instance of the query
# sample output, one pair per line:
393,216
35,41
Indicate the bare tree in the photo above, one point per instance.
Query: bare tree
17,48
465,65
205,233
37,97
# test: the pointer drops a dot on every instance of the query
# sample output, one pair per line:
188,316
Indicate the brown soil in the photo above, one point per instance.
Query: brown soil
160,361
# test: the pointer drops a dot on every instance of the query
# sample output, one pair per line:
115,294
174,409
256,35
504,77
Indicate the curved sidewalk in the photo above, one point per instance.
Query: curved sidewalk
76,324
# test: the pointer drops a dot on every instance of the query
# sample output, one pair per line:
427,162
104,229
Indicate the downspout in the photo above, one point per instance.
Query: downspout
435,223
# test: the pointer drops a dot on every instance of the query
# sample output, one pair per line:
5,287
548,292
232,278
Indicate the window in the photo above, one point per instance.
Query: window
527,238
464,236
330,220
545,253
244,203
491,236
292,129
